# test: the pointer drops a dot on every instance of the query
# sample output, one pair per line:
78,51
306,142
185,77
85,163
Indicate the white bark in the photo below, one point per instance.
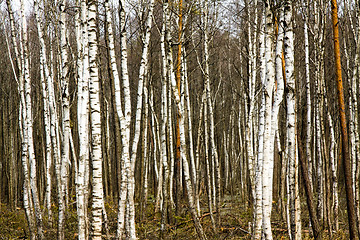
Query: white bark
207,166
258,217
165,57
190,130
353,103
28,125
334,169
188,183
142,72
96,155
164,117
28,205
319,77
180,108
157,152
214,152
125,122
355,97
171,151
44,73
83,120
252,41
291,122
145,158
308,101
278,97
65,144
198,145
268,164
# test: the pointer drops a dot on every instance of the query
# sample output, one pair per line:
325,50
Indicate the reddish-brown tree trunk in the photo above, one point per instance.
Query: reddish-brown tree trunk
344,135
178,80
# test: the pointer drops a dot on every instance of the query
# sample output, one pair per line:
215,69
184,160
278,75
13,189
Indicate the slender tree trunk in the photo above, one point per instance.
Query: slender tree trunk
177,171
268,165
19,56
258,214
207,168
65,144
252,41
164,117
354,234
180,109
28,124
44,74
214,152
142,73
125,122
190,131
83,121
309,194
308,99
291,122
96,154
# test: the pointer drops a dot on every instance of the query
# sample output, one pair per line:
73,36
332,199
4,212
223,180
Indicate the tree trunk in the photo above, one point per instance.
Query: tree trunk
96,154
268,165
354,234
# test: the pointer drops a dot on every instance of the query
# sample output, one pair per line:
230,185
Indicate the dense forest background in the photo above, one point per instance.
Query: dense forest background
209,119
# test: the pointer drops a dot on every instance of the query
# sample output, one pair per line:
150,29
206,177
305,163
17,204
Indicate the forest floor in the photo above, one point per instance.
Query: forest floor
234,224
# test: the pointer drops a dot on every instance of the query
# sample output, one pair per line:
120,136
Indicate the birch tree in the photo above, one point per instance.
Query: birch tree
62,166
125,118
258,214
268,164
291,122
82,177
28,123
44,74
19,54
96,154
209,105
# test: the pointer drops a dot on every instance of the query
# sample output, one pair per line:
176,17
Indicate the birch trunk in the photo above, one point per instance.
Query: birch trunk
291,122
145,163
198,146
164,116
28,124
171,150
258,215
207,166
19,56
28,203
252,79
355,84
181,115
142,72
164,155
214,152
308,100
188,184
268,165
334,170
65,144
280,79
83,120
125,121
44,73
96,155
190,130
54,122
